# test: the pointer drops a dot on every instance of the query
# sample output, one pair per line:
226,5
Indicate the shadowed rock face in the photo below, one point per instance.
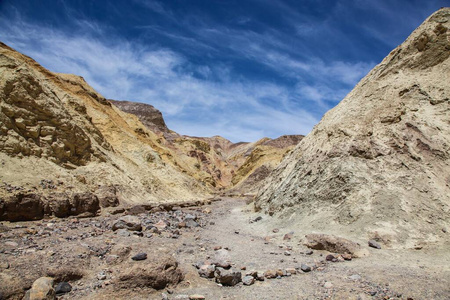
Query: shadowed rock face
379,161
147,114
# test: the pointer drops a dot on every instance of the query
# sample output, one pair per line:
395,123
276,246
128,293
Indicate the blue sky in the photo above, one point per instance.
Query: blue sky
240,69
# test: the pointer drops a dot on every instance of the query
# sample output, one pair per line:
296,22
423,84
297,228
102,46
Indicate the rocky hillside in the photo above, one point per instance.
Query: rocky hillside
215,161
378,164
66,150
62,142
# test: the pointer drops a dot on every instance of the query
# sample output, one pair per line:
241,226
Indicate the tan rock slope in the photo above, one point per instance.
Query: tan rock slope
377,165
215,161
66,150
60,137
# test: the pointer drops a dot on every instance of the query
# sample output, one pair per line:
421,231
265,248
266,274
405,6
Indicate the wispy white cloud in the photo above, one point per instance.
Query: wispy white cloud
235,108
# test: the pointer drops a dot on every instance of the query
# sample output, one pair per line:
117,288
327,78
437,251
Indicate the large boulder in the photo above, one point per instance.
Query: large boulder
131,223
107,196
229,277
58,204
84,203
157,273
334,244
42,289
22,207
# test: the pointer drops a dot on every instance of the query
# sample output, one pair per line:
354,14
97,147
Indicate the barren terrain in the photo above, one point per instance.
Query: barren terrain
94,259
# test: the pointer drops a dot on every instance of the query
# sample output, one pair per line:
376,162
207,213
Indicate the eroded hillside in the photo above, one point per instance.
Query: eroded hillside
378,164
61,141
233,167
60,138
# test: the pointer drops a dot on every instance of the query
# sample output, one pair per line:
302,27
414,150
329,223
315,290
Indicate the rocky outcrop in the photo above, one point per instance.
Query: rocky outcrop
58,135
215,161
30,206
378,163
22,207
35,116
159,273
147,114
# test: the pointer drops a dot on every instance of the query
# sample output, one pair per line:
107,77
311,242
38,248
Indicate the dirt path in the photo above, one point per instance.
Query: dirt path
101,256
418,274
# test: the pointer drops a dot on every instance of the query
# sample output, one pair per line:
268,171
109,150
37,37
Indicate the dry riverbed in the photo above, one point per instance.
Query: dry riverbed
161,254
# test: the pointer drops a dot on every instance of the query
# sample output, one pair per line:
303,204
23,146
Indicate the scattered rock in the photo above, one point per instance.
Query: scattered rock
85,204
111,259
328,285
4,265
248,280
229,277
374,244
42,289
62,288
207,271
22,207
131,223
355,277
288,236
197,297
292,271
330,257
190,223
140,256
161,225
260,276
123,232
222,259
101,275
305,268
157,273
334,244
276,230
346,256
309,252
11,244
270,274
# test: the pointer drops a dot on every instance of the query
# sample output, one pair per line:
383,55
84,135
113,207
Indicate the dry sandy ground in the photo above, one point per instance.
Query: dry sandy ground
83,245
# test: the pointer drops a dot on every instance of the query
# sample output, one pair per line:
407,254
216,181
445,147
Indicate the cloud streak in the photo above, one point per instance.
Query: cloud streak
263,68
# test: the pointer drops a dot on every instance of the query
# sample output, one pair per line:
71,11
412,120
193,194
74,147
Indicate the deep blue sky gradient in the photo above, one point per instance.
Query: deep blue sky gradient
239,69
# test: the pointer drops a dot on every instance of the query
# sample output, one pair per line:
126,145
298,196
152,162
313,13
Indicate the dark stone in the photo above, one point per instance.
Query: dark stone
22,207
107,196
374,244
131,223
288,236
84,203
257,219
305,268
206,271
309,252
229,277
140,256
58,204
62,288
330,257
